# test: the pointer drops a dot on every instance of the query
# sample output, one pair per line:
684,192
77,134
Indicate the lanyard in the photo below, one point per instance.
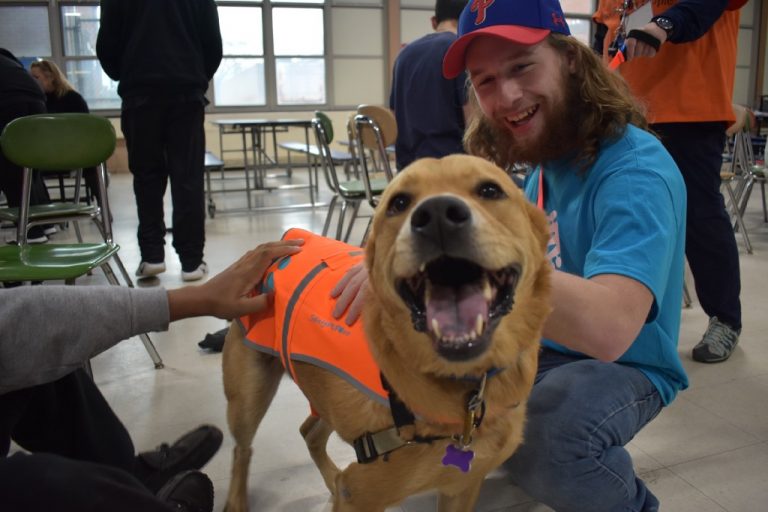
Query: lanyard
540,198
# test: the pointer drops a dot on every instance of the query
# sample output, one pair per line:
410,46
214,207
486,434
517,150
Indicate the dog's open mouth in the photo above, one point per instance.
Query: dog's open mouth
459,303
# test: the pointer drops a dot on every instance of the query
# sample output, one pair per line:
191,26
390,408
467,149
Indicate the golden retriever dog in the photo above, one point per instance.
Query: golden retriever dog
458,291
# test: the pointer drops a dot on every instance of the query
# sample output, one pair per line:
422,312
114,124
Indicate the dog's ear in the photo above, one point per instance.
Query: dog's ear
539,223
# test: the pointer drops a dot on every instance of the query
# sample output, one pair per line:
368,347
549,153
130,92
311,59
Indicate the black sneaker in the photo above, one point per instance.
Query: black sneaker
189,491
190,451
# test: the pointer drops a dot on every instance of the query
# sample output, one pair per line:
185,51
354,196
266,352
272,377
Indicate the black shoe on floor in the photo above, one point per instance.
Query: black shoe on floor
214,342
189,491
190,451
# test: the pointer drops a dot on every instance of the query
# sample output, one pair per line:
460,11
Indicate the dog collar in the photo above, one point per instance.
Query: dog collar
372,445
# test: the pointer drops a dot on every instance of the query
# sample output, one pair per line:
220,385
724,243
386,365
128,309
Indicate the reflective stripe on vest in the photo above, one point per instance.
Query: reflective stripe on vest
301,327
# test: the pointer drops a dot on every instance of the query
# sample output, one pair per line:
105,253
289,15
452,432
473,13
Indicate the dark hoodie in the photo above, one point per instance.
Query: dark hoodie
16,84
159,48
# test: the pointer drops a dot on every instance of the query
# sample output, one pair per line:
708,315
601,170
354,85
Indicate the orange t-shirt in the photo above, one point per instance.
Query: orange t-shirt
682,83
300,326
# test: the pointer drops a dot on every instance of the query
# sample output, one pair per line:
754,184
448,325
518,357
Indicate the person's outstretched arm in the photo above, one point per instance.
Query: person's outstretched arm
47,332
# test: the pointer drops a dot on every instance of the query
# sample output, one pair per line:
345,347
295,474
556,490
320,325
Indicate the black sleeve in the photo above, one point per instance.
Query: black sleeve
693,18
109,45
210,36
598,38
75,102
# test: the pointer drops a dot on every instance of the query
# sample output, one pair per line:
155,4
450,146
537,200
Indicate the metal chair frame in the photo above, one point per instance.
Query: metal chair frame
43,163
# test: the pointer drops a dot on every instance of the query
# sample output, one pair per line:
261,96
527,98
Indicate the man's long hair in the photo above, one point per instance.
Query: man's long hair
599,108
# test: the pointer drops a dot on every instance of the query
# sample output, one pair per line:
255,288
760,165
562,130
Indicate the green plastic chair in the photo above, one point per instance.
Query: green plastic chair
25,144
349,192
49,143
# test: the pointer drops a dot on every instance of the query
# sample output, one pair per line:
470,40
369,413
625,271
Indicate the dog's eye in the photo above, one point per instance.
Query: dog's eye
490,190
398,204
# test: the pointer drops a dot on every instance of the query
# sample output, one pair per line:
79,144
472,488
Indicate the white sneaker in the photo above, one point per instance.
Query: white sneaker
195,275
150,269
37,240
51,230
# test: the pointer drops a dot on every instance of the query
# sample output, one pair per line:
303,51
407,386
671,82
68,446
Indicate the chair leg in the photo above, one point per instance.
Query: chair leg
352,220
77,231
737,214
329,216
340,223
148,345
123,271
152,351
686,296
367,232
745,195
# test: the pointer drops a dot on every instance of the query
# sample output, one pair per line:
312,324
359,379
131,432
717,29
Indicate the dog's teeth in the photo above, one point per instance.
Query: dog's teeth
487,291
436,328
423,267
479,325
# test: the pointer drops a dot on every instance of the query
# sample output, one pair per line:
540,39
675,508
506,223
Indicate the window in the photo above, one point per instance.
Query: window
79,29
277,53
299,61
24,30
240,79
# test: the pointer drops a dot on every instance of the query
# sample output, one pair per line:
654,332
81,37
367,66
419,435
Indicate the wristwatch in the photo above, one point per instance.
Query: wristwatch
664,24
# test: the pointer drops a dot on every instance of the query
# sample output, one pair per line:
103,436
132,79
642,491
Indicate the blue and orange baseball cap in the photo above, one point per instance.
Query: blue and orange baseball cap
521,21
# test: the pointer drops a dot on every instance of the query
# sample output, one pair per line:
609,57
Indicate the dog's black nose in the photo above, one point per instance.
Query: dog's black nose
443,220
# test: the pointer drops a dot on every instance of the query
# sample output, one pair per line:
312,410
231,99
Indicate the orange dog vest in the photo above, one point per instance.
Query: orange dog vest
300,326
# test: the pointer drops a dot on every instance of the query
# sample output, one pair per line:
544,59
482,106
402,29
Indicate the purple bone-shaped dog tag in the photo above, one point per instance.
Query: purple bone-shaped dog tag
458,457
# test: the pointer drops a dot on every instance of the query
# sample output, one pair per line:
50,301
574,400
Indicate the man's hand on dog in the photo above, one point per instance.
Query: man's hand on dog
350,293
228,295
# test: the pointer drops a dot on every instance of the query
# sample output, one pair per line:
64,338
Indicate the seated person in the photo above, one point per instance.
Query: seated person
19,96
81,454
61,97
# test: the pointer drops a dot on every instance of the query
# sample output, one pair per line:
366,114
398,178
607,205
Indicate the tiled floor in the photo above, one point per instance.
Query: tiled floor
707,452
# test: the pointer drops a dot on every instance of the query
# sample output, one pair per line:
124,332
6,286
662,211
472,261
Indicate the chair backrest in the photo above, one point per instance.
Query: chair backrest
327,125
386,122
321,125
364,125
52,142
742,120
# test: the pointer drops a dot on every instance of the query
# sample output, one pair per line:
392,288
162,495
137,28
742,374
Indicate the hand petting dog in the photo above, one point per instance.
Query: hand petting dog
228,294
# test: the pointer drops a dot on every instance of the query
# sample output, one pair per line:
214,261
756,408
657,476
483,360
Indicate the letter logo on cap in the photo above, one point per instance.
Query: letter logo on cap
480,6
557,19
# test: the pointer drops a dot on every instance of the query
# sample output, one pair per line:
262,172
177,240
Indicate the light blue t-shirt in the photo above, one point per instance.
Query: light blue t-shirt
626,216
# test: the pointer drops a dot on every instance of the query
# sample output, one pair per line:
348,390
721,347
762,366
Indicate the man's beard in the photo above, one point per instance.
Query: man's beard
560,137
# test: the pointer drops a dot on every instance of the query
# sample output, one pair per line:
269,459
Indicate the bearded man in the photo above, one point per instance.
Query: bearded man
616,206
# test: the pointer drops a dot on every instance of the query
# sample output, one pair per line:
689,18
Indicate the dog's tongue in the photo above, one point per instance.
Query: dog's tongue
456,309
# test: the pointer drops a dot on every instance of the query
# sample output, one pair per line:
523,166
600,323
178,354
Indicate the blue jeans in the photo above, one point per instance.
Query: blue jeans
581,413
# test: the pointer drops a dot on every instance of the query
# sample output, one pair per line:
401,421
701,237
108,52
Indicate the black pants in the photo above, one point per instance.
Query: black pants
710,243
11,174
166,141
82,456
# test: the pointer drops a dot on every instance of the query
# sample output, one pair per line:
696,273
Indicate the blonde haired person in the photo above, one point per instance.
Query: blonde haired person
60,95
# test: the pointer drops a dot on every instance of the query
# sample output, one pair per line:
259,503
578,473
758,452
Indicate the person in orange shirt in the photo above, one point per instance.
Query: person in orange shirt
681,64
